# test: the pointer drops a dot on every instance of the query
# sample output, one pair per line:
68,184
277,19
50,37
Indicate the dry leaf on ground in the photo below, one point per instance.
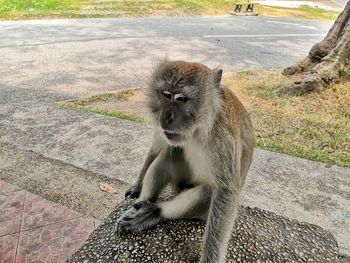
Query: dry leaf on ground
108,188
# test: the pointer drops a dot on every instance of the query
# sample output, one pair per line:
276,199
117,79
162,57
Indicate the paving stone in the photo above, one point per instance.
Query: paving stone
34,230
11,207
258,236
53,243
7,188
8,246
39,211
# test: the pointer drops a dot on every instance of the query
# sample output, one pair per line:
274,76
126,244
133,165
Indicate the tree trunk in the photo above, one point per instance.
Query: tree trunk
328,61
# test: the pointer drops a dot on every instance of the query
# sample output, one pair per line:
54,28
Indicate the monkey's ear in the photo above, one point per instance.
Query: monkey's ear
217,77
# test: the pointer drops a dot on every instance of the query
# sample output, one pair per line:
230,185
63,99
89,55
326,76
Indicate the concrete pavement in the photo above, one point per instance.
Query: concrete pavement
43,62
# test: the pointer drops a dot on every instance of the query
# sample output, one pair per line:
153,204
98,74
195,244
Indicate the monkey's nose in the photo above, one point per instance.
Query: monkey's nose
166,119
169,118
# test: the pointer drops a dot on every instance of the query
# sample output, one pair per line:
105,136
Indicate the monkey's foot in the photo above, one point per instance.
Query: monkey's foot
143,215
133,192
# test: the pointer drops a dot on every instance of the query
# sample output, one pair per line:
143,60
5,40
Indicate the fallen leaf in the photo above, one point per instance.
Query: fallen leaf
108,188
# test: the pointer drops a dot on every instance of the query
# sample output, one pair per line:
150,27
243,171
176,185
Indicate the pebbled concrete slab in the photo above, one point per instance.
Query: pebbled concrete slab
259,236
301,189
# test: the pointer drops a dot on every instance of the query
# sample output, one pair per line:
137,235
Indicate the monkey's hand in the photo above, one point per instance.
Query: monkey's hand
143,215
133,192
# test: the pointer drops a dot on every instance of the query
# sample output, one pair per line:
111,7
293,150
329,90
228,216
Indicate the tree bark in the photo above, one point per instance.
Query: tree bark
328,61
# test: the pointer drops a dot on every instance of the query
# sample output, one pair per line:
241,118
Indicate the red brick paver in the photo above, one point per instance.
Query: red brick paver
33,229
11,207
8,246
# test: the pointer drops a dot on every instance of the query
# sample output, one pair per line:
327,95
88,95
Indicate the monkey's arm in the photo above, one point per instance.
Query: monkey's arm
145,213
135,190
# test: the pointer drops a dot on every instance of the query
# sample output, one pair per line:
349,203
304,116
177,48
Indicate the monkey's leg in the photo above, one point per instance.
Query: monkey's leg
135,190
191,203
221,218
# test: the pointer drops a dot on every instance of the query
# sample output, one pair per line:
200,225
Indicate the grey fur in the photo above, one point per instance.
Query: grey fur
198,149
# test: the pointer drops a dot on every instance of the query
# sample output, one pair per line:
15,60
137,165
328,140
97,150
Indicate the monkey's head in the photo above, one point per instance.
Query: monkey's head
184,99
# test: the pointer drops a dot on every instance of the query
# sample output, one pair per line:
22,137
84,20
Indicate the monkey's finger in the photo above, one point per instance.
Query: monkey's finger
144,204
133,192
128,217
138,205
121,228
127,193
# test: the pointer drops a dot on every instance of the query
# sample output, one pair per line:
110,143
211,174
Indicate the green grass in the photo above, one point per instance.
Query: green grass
115,114
22,9
28,9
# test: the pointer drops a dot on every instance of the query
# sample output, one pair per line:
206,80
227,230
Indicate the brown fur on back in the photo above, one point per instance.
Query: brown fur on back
234,113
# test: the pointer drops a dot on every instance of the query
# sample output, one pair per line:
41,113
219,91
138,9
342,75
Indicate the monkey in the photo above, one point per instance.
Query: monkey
202,146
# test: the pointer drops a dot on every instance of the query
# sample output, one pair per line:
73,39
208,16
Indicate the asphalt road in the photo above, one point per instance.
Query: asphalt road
84,57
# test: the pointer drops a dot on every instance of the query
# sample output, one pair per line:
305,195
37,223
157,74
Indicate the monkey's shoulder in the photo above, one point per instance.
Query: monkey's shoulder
232,105
233,115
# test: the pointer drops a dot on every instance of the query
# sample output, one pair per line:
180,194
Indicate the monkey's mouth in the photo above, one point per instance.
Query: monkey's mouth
172,136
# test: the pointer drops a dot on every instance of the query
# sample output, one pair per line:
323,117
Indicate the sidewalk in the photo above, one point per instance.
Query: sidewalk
33,229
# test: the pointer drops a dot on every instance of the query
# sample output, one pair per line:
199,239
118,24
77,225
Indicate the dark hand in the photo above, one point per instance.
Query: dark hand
143,215
133,192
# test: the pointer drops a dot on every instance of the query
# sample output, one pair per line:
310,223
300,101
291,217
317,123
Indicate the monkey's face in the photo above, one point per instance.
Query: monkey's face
177,115
175,99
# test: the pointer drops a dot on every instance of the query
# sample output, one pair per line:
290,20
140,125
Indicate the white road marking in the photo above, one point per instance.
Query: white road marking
265,35
339,4
292,24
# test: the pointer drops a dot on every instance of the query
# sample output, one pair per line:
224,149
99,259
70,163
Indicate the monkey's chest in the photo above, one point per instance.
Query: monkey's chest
199,163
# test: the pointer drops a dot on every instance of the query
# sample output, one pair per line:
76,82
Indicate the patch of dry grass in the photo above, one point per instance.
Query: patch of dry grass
120,95
101,104
305,12
315,126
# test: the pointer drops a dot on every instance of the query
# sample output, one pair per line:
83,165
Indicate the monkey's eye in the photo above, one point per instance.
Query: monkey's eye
167,95
181,98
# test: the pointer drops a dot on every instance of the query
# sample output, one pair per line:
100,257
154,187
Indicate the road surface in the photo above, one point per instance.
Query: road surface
84,57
